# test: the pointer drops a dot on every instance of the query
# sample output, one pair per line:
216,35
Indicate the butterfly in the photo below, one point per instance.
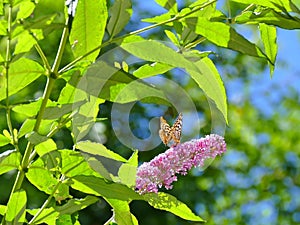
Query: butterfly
168,133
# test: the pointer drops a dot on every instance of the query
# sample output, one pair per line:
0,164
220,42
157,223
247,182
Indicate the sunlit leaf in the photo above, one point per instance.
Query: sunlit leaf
269,16
170,5
155,51
172,37
223,35
25,41
4,140
49,215
268,35
9,160
45,174
98,149
127,174
209,80
116,85
278,5
45,147
16,208
75,205
55,112
25,9
161,18
30,109
35,138
86,117
122,214
28,125
169,203
73,164
203,72
148,70
88,27
2,209
120,15
99,187
20,76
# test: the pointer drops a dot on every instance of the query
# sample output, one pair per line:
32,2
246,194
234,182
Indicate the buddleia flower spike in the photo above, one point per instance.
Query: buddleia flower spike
164,168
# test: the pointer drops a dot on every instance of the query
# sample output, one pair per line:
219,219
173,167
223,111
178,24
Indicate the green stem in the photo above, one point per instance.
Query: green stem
42,55
61,48
46,203
48,89
198,41
173,19
53,131
7,64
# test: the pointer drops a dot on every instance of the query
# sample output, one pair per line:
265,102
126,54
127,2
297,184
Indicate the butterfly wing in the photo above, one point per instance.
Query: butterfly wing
165,131
176,129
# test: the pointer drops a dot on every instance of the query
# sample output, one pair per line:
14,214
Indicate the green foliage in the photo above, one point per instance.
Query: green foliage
46,139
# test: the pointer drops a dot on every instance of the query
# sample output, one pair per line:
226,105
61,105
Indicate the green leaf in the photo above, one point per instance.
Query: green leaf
98,149
45,173
2,209
25,40
224,36
268,35
133,160
45,147
100,165
49,215
99,187
28,125
75,205
169,203
269,16
30,109
25,9
4,140
147,70
169,5
35,138
203,72
16,208
127,174
121,12
3,26
122,214
277,5
105,162
55,112
73,164
9,160
20,76
209,80
86,116
88,27
161,18
172,37
155,51
65,220
116,85
68,92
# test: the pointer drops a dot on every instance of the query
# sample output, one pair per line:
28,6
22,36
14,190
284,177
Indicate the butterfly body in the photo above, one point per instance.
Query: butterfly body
168,133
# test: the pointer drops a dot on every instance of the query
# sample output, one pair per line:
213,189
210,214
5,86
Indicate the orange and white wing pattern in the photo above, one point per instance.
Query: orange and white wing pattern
176,129
167,133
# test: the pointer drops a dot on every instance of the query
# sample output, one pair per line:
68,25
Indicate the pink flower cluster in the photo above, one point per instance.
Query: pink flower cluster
162,170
